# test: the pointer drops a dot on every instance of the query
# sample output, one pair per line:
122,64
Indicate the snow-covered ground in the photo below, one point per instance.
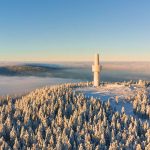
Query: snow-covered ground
111,91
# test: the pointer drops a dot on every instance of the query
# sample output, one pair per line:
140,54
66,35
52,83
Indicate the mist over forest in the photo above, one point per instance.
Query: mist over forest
69,69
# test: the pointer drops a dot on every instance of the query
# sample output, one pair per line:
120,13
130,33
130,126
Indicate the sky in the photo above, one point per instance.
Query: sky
74,30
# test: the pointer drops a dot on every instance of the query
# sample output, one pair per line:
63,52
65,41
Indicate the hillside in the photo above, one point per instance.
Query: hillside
60,117
28,70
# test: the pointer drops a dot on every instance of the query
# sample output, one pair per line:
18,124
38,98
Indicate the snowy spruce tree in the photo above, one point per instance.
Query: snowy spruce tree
59,118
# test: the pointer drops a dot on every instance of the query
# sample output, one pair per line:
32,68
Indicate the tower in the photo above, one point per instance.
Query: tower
96,70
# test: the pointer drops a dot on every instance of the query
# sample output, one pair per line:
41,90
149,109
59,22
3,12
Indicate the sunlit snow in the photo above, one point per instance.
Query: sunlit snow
111,91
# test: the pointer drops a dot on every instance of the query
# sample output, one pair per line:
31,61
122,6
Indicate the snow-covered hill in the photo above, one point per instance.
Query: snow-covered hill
119,94
62,117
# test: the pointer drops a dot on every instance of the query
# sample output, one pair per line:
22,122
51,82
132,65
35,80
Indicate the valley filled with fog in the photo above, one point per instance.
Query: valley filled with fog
16,78
17,86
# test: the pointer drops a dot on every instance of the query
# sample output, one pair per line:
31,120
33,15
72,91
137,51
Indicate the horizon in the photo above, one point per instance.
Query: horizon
76,61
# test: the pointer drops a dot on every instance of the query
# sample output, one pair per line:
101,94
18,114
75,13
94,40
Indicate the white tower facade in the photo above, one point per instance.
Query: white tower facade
96,71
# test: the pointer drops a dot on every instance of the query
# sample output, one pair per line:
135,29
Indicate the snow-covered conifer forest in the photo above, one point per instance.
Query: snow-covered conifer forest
60,117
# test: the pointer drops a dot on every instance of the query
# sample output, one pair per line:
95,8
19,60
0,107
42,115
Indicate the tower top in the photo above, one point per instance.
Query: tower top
96,59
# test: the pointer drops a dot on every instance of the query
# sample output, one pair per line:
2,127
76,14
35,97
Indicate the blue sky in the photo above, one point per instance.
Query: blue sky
47,30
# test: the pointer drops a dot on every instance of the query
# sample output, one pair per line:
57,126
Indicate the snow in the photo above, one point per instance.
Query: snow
110,91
